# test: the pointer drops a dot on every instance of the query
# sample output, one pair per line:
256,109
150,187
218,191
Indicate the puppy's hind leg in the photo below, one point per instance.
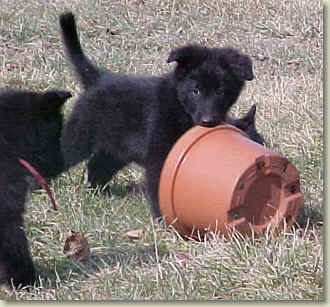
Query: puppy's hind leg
101,168
152,178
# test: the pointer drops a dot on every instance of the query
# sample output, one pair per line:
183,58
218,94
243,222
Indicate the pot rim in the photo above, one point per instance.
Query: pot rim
178,153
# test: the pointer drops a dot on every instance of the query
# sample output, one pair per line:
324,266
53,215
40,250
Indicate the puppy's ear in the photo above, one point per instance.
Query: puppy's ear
51,101
190,55
250,116
55,99
239,64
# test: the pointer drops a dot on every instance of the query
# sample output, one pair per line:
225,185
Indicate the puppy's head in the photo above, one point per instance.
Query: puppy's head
31,122
48,122
209,81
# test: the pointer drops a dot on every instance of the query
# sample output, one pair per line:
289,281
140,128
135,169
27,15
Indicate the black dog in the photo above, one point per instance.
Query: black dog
120,119
30,128
100,172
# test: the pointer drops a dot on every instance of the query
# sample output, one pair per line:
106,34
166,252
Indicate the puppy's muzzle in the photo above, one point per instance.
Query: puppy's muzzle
209,121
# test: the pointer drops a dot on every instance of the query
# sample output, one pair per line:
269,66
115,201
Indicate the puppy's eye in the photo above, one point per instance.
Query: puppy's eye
219,91
196,91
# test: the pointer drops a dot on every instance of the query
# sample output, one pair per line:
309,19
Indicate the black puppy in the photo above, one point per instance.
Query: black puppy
30,128
100,171
120,119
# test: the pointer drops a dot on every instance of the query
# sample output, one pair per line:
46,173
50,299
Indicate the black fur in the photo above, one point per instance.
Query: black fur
120,119
247,124
30,128
100,171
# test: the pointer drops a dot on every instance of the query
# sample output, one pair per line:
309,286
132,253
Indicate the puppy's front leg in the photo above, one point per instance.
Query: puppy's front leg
102,166
15,261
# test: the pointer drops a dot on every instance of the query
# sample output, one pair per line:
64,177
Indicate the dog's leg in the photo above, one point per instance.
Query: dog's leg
101,168
152,180
16,265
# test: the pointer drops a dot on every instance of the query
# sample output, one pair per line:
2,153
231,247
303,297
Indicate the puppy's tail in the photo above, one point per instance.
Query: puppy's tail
86,71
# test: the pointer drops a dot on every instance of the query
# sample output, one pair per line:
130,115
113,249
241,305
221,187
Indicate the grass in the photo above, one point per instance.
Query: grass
285,40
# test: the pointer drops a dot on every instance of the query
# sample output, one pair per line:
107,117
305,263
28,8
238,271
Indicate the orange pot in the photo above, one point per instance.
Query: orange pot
216,179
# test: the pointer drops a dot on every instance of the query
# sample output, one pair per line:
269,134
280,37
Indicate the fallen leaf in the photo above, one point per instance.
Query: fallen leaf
76,246
261,57
135,235
112,32
182,257
179,31
294,62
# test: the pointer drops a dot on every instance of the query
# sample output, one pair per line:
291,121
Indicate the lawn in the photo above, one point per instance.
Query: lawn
285,41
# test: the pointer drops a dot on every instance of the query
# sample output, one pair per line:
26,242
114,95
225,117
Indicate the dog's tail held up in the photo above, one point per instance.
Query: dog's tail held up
86,71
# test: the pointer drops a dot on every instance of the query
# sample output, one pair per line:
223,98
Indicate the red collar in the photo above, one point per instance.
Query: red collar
36,174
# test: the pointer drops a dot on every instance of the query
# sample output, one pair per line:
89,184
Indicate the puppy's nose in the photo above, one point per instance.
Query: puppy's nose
208,121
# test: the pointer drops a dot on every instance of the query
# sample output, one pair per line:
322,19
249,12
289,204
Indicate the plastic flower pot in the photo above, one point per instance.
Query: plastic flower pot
216,179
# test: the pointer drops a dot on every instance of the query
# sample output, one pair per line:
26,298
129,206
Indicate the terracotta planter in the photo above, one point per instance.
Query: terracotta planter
217,179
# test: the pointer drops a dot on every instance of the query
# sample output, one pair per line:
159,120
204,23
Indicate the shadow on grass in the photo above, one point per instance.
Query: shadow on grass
122,190
309,216
119,189
101,259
